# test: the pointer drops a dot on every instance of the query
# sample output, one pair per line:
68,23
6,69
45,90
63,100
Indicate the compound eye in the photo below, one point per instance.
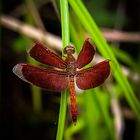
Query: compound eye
73,50
65,50
69,49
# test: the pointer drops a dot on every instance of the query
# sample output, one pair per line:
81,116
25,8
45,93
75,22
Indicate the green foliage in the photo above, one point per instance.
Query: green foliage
20,44
94,120
95,104
105,50
65,41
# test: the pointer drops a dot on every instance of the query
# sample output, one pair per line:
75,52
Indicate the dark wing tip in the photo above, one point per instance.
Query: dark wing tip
17,70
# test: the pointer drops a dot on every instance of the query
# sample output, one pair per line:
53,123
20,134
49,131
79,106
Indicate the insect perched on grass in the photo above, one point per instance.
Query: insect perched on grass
58,80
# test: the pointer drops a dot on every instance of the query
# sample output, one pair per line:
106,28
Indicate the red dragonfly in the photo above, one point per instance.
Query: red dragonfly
58,80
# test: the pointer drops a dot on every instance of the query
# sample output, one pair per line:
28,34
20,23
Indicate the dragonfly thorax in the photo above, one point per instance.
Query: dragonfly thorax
70,60
71,68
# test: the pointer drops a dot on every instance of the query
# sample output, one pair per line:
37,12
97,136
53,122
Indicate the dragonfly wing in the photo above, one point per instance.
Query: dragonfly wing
45,56
86,54
45,78
93,76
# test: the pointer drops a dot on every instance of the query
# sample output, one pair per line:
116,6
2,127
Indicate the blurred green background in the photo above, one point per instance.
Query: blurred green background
104,113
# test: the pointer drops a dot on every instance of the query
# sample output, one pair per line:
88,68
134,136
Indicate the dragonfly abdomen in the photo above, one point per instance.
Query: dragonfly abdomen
73,99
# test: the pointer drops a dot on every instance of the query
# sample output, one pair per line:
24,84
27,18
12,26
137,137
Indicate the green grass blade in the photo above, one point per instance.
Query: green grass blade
125,57
62,116
71,130
90,109
65,22
75,38
89,24
65,41
102,111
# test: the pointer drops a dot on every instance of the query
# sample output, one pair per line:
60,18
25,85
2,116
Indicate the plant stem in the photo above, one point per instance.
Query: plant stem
65,42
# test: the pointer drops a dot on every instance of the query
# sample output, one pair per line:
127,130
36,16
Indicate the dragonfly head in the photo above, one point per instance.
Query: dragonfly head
69,49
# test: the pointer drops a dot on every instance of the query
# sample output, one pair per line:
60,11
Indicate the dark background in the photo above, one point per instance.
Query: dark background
18,120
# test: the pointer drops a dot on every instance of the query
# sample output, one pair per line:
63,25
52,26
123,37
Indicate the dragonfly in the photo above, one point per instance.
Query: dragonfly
69,72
